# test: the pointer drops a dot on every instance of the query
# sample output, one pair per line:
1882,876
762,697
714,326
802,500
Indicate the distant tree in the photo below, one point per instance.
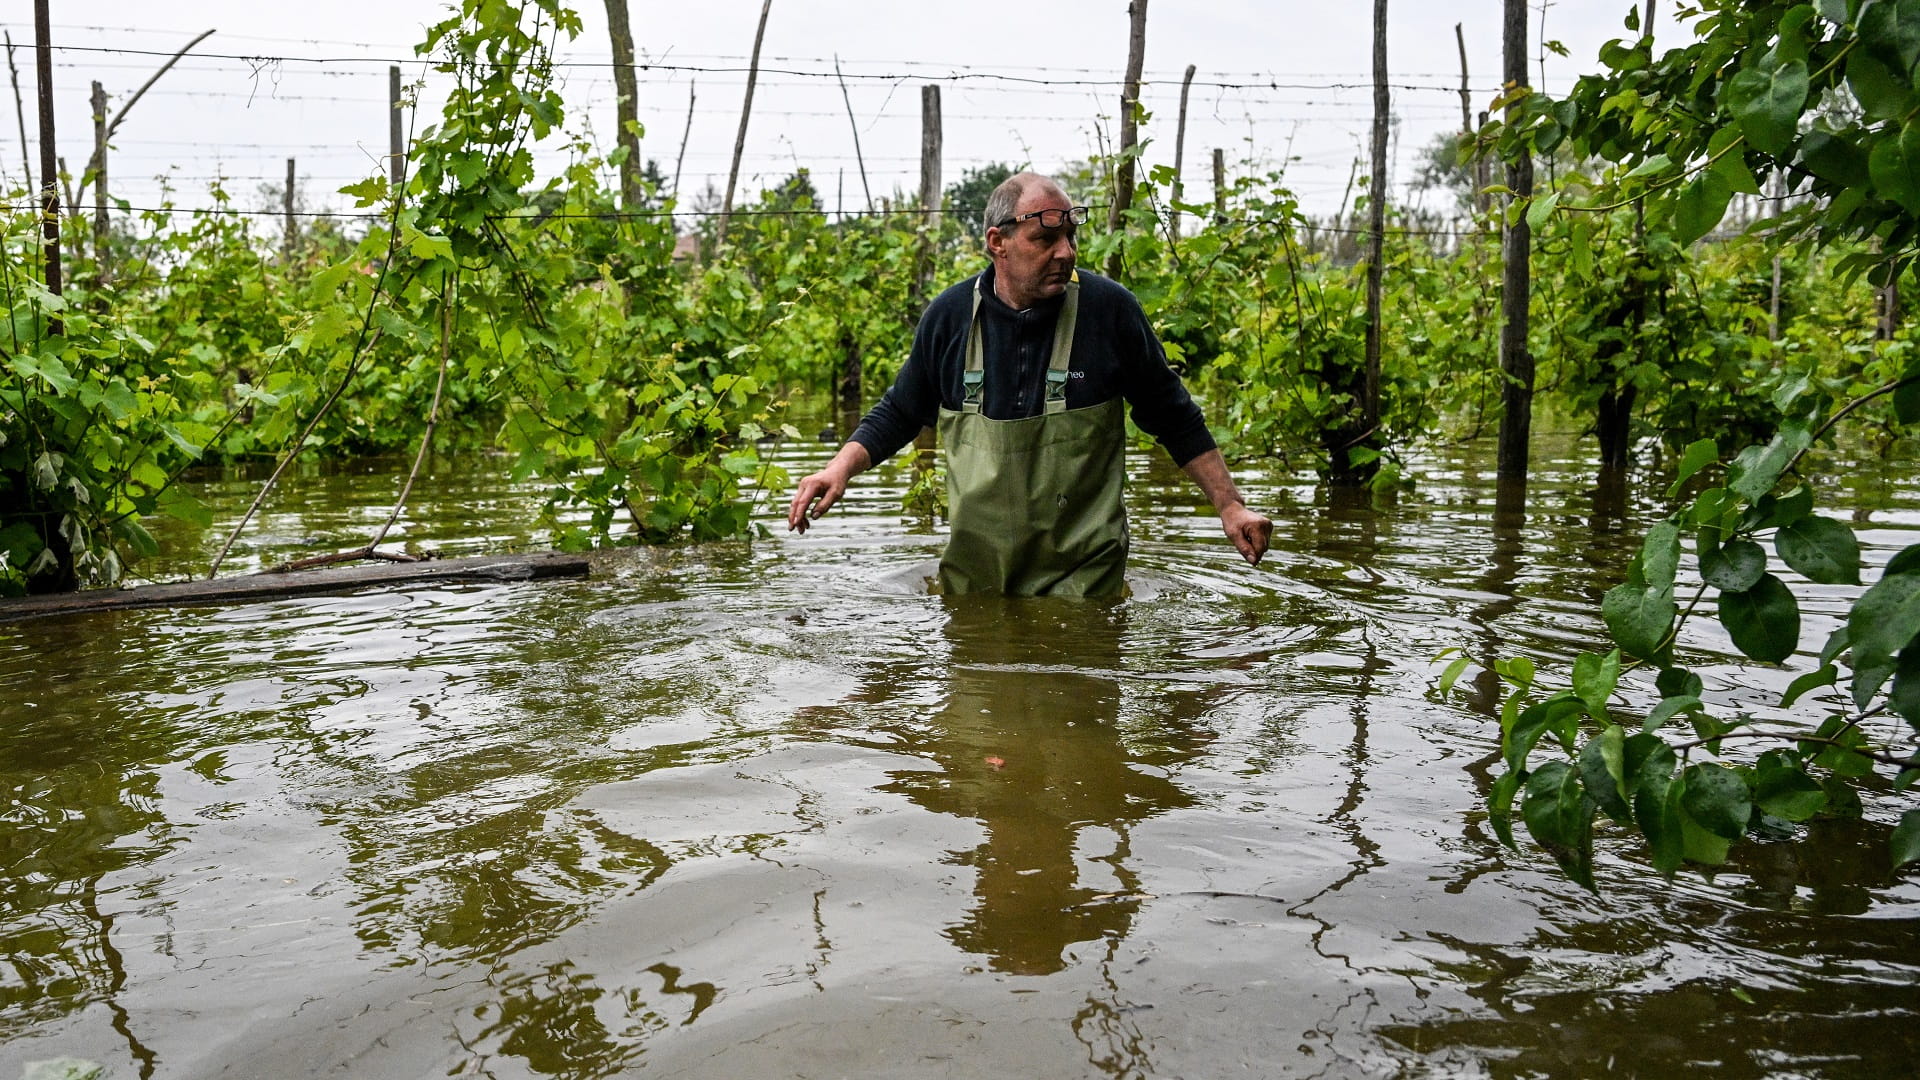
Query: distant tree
796,192
966,198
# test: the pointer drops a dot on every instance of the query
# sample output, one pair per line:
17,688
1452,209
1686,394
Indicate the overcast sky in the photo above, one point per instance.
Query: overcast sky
1020,82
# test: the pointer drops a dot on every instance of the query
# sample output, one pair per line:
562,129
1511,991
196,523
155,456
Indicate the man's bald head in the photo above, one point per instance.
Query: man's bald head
1005,200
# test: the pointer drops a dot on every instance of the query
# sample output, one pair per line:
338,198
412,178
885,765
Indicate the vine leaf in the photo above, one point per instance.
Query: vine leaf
1734,567
1823,550
1767,103
1717,799
1701,205
1763,621
1895,165
1906,839
1882,622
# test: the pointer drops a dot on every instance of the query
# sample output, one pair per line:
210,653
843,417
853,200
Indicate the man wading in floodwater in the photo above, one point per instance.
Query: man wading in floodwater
1025,367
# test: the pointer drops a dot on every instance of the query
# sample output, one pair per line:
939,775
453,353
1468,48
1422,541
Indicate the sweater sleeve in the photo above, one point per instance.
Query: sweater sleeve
913,401
1160,403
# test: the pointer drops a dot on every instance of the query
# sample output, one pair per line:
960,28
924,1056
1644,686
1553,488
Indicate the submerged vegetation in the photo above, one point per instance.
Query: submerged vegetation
483,306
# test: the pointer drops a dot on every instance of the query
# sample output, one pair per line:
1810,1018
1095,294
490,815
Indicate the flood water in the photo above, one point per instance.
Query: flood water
769,809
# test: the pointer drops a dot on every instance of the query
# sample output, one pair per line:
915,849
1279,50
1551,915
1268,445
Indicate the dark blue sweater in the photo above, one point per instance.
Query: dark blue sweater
1115,354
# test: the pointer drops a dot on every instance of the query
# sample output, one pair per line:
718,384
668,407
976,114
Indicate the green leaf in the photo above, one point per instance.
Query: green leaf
1783,788
1834,158
1541,210
1734,567
1822,549
1668,708
1656,810
1452,674
1903,698
1890,31
1678,682
1603,771
1594,677
1697,456
1906,839
1717,798
1560,817
1767,103
1824,675
1895,167
1659,560
1500,805
1758,468
1701,205
1882,622
1639,618
1658,163
1882,95
1763,621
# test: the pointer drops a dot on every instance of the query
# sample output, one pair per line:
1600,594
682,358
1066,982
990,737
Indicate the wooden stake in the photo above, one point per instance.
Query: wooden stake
293,229
1179,153
856,132
930,139
684,134
746,111
99,103
1129,128
1369,417
20,113
49,162
396,145
1219,186
1516,361
626,109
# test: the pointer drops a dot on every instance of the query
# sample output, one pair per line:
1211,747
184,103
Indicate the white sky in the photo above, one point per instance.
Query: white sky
213,115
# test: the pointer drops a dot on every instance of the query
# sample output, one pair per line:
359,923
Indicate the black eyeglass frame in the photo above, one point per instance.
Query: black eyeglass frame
1076,214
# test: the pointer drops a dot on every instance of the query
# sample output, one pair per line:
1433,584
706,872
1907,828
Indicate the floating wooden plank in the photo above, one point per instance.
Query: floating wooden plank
273,585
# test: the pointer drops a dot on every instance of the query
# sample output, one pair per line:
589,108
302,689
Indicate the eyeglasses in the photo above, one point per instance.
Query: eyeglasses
1049,219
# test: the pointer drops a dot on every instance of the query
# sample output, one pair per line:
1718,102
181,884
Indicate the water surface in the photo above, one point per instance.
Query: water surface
770,809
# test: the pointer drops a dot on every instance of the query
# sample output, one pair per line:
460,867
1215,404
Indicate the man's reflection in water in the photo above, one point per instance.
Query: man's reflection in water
1030,747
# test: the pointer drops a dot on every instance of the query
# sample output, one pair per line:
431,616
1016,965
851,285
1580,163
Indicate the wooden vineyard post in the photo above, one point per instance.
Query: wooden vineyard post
293,230
746,111
930,140
20,114
1179,154
681,161
1219,186
49,161
626,107
396,145
1129,131
1516,361
1369,405
99,103
855,124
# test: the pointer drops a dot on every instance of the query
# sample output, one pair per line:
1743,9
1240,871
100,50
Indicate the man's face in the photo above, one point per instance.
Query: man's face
1033,262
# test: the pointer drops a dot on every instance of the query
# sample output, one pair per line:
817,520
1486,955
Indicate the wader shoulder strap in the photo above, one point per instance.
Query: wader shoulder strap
973,378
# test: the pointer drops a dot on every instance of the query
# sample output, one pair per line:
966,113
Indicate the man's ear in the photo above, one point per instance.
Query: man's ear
996,242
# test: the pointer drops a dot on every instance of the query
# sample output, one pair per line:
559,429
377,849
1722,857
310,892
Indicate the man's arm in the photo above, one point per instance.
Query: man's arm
1250,532
827,485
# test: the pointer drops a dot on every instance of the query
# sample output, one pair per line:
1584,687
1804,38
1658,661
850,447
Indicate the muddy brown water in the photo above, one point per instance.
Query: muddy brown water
771,810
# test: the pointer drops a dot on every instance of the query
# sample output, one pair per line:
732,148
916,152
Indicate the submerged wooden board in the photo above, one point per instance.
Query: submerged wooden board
273,585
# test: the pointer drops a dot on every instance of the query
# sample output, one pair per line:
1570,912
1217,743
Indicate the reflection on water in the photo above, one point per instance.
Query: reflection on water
768,809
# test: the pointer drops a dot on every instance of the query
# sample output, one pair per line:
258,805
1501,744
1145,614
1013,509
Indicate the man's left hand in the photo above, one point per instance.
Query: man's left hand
1250,532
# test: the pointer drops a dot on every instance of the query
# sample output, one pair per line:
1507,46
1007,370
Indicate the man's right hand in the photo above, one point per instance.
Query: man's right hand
817,493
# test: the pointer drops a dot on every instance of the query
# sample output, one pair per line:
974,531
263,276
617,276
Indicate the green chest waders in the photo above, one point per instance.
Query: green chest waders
1034,504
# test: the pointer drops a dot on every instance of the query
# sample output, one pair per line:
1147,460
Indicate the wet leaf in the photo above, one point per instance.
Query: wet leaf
1763,621
1906,839
1882,621
1824,675
1821,549
1594,677
1603,772
1717,798
1735,566
1767,103
1783,788
1697,456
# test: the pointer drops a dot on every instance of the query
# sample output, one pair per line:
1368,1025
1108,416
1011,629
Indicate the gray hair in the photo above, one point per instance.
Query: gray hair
1000,204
